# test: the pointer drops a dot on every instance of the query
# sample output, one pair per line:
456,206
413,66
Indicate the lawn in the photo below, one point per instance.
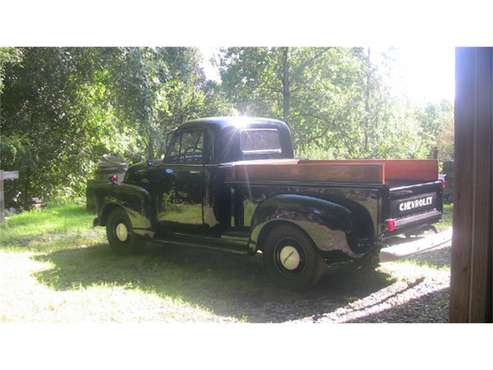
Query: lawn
57,268
448,211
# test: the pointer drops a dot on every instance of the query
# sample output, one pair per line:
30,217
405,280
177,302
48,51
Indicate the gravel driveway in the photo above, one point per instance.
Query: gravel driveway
420,292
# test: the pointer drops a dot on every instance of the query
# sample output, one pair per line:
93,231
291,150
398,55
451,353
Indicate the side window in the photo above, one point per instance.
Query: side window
173,153
186,147
192,147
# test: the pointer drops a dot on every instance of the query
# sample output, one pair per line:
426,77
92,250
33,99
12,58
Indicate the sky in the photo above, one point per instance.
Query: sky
421,73
425,73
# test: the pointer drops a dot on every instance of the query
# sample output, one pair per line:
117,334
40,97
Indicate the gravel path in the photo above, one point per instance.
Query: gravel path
419,294
420,299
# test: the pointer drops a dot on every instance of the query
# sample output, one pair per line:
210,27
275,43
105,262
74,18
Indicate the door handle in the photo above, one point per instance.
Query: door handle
193,172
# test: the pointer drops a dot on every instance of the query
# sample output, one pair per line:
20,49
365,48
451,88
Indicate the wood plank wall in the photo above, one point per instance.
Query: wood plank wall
472,244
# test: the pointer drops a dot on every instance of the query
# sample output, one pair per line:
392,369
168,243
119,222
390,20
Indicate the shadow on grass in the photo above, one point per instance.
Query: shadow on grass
228,285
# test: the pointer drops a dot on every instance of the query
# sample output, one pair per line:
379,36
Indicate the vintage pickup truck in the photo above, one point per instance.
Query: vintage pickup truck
232,184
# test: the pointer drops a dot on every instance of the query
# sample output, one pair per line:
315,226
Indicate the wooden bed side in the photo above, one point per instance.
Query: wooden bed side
371,173
411,170
421,170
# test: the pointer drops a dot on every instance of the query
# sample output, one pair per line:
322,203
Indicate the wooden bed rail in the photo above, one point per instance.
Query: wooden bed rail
359,171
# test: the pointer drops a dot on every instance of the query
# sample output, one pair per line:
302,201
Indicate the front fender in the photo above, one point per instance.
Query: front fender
325,222
136,201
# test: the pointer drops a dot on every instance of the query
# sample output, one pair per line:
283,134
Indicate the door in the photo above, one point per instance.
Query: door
181,183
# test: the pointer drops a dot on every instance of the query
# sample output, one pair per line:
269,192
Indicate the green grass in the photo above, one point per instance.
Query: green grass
61,269
34,226
448,211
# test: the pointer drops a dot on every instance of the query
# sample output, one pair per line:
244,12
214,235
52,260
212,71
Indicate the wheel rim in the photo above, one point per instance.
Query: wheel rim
121,232
289,257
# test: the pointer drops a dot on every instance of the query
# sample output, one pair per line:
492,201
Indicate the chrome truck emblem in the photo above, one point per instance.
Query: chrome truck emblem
417,203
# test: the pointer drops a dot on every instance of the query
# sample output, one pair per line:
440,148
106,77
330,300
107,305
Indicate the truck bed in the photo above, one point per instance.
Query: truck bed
393,173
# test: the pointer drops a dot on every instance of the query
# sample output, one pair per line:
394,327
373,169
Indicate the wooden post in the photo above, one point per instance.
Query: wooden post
2,201
472,244
5,175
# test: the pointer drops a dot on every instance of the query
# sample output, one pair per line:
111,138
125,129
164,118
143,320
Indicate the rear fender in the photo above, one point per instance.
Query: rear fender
325,222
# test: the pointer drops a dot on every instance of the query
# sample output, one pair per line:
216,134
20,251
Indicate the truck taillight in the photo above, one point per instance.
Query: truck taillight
391,224
443,180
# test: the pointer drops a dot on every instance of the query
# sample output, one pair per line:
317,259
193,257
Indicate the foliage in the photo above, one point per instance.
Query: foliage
437,130
44,126
157,89
61,109
7,55
336,100
447,217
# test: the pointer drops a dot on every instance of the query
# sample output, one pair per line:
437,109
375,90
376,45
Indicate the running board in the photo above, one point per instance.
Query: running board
182,241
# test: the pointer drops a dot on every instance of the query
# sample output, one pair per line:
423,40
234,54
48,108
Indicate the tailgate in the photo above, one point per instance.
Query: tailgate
414,206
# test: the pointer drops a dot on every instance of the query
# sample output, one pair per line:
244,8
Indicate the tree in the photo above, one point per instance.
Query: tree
436,124
335,99
157,89
44,126
63,108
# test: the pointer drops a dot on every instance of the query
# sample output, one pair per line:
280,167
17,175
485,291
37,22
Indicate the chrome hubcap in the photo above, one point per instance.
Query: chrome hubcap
121,232
290,258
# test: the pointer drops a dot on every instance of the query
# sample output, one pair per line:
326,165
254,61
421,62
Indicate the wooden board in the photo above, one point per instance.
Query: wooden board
371,171
9,175
5,175
413,170
307,171
472,243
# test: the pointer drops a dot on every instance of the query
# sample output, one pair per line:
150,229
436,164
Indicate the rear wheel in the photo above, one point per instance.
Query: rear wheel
119,232
291,258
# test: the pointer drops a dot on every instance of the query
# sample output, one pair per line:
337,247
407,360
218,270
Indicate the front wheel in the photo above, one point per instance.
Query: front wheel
119,232
291,258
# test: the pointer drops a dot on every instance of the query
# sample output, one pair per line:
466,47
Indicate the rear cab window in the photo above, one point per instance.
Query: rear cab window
260,142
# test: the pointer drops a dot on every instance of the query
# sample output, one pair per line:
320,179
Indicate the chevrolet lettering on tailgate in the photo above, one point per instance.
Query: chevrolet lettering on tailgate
417,203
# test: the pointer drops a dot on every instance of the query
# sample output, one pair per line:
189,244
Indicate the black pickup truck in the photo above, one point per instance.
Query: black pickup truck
232,184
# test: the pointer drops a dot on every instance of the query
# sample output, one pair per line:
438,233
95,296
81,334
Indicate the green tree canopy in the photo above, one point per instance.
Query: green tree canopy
61,109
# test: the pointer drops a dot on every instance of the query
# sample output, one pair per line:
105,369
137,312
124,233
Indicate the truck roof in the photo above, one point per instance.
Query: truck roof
234,121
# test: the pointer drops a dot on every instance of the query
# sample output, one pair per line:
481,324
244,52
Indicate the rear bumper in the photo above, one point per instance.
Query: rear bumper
414,222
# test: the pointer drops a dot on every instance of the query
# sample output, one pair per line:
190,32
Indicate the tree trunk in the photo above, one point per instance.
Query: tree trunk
367,102
285,84
148,125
